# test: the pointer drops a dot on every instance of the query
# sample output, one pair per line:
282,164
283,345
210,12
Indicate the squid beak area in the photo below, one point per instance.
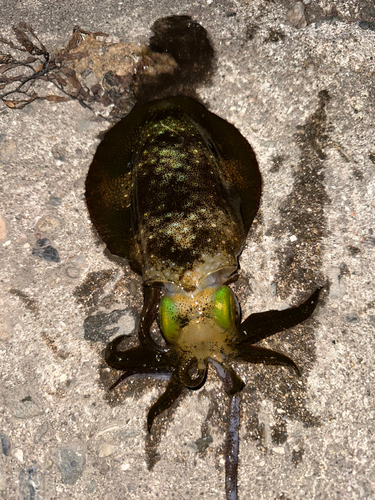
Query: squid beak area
193,377
190,375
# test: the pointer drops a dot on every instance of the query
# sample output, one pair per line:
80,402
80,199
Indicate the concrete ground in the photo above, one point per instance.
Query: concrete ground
297,79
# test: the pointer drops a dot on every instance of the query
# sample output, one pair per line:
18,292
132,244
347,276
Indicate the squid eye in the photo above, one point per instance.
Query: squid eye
224,310
169,321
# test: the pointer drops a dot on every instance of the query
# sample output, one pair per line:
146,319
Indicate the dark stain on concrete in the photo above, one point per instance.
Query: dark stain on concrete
29,303
302,213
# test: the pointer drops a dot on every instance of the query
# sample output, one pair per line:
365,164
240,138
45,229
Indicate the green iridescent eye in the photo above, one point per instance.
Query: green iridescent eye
168,314
224,312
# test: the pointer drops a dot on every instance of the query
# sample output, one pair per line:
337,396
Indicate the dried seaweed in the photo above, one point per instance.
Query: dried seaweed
74,72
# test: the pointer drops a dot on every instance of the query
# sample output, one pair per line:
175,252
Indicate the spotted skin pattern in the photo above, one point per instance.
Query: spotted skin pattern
171,198
184,212
174,189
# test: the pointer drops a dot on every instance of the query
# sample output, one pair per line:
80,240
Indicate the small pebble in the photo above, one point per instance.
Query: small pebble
19,455
71,461
269,144
47,224
296,15
352,318
5,444
55,201
91,487
105,450
42,242
73,272
48,253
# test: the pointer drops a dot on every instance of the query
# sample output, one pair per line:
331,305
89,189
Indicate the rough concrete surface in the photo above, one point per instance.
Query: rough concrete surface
297,79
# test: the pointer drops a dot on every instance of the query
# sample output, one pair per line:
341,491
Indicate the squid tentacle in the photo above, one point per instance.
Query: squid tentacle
232,446
137,360
260,326
172,392
149,313
255,354
164,375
